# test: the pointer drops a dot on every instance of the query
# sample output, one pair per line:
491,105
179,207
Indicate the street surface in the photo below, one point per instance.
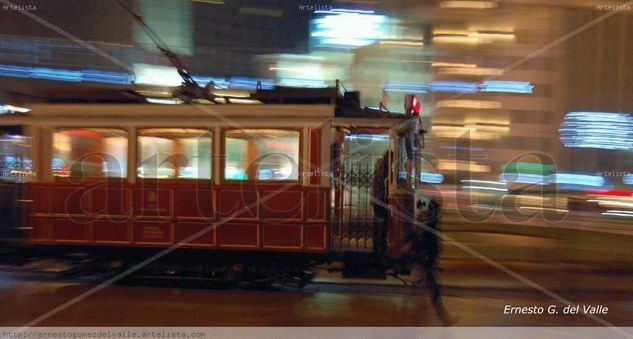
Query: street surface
535,266
477,296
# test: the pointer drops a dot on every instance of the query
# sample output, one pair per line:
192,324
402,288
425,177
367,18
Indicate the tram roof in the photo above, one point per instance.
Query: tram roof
280,102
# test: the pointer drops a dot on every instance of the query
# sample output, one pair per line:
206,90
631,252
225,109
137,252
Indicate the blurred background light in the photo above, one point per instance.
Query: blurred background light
468,166
343,29
527,173
374,137
249,83
578,181
454,37
153,75
484,185
524,178
452,64
303,83
106,77
217,81
402,43
506,86
58,74
454,86
7,109
529,168
406,88
431,178
521,87
492,36
485,188
164,101
344,10
603,130
613,201
317,69
470,71
581,179
475,129
156,75
619,213
472,37
465,4
477,104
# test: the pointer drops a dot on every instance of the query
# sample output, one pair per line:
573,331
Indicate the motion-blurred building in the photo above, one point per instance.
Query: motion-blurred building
534,63
491,102
498,78
77,41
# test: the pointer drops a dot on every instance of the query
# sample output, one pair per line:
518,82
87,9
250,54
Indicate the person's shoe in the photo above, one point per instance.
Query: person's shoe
449,320
445,317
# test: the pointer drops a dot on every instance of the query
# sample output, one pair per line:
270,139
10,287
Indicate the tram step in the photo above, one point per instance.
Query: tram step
364,265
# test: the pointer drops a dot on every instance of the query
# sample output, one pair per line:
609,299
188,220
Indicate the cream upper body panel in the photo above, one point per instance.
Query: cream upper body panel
278,115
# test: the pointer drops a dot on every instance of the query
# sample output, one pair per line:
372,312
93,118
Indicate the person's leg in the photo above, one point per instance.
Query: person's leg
431,284
436,296
380,229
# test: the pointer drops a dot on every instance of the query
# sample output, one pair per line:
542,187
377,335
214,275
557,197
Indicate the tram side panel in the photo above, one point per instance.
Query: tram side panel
275,218
191,214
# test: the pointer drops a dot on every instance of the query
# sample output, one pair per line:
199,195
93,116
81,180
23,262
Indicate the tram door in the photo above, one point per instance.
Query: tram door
15,170
354,159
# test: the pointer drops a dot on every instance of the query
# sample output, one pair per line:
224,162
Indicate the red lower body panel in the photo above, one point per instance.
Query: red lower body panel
188,215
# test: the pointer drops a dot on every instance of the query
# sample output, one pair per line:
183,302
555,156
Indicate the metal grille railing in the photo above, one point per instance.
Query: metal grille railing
356,216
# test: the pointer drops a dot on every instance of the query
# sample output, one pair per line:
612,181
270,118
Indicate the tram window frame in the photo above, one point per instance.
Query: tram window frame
300,165
124,170
22,174
137,160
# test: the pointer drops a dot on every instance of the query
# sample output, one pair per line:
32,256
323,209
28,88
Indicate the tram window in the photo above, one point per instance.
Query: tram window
15,159
365,147
261,154
89,153
174,153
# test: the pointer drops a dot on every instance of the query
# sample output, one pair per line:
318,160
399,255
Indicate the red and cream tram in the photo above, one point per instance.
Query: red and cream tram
213,179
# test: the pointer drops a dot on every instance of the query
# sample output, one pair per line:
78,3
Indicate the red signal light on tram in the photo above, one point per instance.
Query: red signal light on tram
412,105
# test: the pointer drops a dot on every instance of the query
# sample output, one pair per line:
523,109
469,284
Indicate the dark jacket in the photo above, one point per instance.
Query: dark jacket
425,246
379,188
